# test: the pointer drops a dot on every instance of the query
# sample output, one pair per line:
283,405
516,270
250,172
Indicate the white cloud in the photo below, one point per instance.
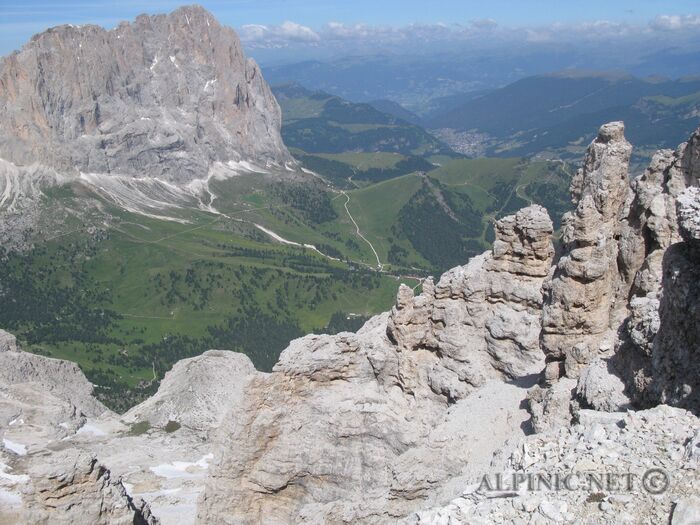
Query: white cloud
481,32
253,32
298,32
277,35
675,22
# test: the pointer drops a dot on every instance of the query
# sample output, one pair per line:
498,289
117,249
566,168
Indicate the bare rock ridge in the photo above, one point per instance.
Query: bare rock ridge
582,300
75,488
391,424
620,309
65,458
166,96
203,408
462,330
361,427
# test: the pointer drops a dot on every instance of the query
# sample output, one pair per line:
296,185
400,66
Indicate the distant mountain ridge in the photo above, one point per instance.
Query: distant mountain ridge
318,122
394,108
548,112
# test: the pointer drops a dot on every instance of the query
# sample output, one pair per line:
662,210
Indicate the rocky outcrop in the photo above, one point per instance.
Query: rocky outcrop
675,353
64,458
688,211
480,321
62,379
361,427
582,304
616,308
166,96
197,392
74,488
618,472
333,435
8,342
658,253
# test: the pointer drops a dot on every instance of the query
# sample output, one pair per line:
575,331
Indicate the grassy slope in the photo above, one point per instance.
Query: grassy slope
168,282
486,181
165,280
493,187
376,210
364,161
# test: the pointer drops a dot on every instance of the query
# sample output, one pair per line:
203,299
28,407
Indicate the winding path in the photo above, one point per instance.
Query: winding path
359,233
281,239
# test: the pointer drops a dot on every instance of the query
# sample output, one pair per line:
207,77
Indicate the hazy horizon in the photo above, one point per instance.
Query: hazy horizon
277,32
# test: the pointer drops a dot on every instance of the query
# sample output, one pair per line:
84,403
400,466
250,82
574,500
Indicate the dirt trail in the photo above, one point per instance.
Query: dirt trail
359,233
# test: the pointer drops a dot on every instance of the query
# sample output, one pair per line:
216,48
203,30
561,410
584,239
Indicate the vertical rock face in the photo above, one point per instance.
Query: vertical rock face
675,357
658,252
482,319
580,306
165,96
620,313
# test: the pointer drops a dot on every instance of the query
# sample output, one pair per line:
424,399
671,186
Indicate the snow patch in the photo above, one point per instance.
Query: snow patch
17,448
89,428
276,236
11,478
142,195
10,499
245,166
182,469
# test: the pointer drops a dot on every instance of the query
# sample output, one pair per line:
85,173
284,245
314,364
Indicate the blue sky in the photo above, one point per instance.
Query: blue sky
19,19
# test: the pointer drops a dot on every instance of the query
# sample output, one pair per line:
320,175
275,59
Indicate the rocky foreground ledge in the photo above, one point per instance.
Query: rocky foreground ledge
515,364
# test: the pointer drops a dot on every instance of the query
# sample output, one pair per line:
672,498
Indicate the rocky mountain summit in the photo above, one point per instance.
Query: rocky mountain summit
142,116
519,363
165,96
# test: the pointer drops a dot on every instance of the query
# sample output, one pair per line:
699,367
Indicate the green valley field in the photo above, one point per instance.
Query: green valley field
126,295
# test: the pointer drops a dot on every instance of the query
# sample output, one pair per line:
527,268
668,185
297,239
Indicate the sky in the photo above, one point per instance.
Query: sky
347,24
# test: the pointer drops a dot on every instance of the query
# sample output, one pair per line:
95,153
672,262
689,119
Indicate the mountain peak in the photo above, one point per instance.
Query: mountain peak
164,96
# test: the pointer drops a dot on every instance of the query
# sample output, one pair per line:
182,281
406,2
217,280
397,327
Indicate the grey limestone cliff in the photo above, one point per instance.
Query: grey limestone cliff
164,96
